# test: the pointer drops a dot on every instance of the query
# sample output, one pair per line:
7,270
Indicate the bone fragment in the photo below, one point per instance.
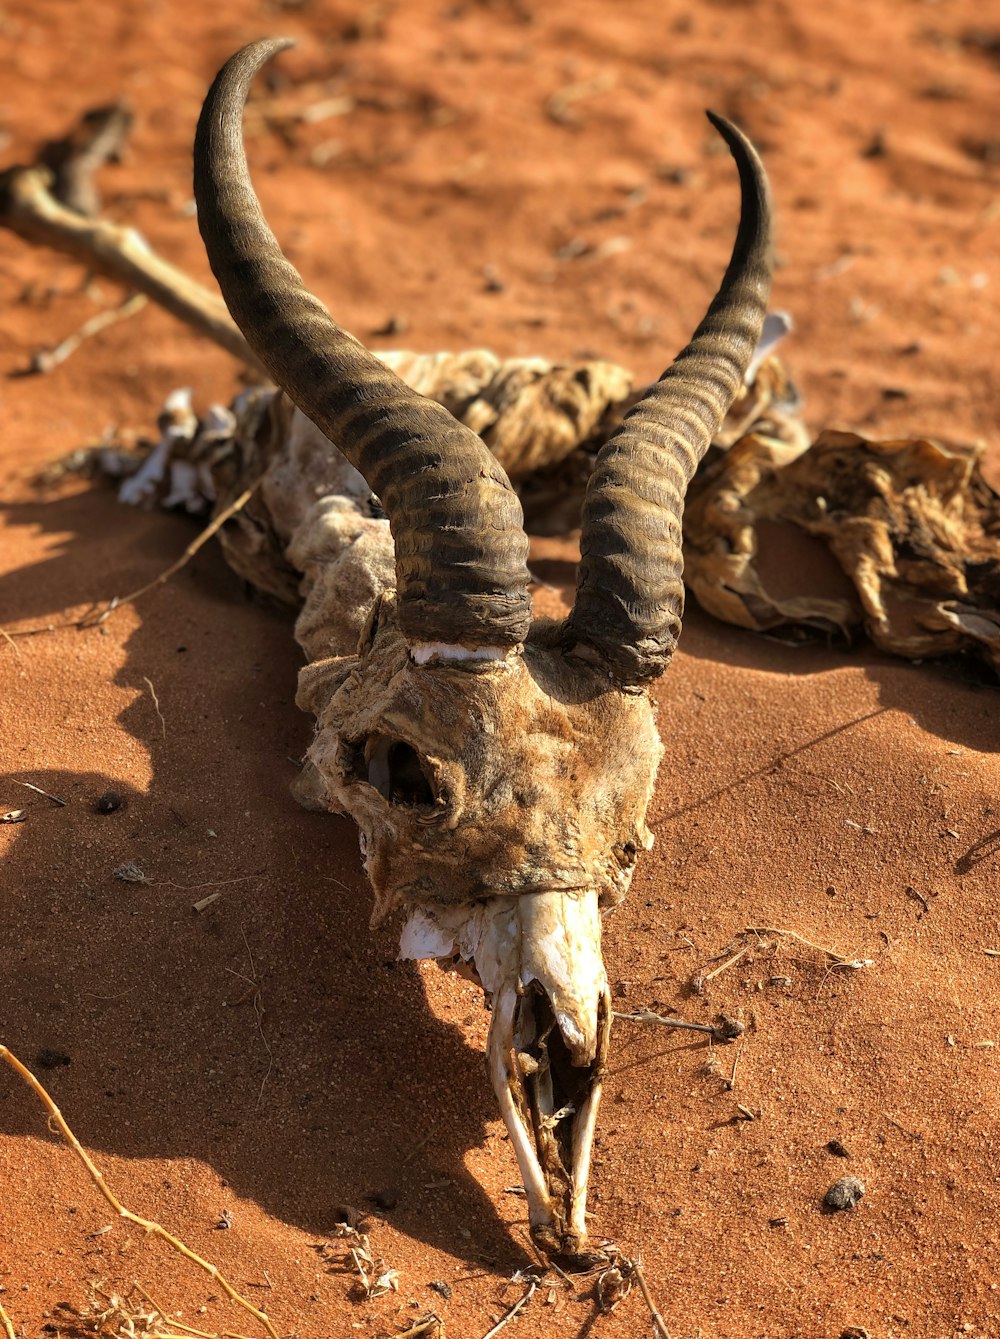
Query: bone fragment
29,209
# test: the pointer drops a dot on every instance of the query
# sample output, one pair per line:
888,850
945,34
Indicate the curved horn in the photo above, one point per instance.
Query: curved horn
461,551
630,591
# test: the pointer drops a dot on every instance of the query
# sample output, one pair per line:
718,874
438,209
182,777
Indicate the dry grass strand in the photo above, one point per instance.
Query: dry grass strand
148,1225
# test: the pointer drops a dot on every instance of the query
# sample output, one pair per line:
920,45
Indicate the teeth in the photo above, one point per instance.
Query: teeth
539,957
513,1108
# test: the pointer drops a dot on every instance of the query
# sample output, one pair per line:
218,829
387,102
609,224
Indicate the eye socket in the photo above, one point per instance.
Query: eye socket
626,853
394,768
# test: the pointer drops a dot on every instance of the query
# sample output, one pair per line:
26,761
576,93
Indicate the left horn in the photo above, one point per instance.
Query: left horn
461,551
630,589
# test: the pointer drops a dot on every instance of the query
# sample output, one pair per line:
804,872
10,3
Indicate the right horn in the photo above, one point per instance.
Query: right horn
461,551
630,589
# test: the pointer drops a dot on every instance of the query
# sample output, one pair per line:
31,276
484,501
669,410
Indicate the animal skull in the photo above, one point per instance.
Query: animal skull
498,767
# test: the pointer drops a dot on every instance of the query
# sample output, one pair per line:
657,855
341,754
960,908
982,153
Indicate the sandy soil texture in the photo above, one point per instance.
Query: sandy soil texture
534,178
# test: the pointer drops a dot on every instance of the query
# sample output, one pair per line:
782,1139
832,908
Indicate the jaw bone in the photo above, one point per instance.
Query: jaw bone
538,956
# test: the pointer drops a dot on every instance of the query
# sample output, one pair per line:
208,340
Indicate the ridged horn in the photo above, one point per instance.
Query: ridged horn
630,591
461,551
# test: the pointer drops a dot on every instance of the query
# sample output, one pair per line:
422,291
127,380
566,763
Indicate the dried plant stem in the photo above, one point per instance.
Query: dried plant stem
93,620
38,791
17,650
48,359
199,542
647,1016
156,704
731,1081
167,1320
730,962
430,1328
837,959
659,1325
147,1225
513,1311
7,1324
28,208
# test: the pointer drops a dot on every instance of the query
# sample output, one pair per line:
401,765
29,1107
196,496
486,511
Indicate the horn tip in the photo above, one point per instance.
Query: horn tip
725,127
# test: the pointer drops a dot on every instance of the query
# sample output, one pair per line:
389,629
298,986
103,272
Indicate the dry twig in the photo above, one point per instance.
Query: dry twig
156,704
513,1311
8,1327
38,791
94,619
727,1031
659,1325
46,360
704,977
428,1327
836,959
148,1225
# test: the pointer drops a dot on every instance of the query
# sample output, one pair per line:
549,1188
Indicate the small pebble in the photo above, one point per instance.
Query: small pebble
108,802
130,873
441,1288
837,1149
729,1028
395,325
844,1194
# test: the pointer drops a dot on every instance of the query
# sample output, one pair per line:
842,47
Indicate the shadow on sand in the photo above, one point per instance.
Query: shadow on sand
271,1035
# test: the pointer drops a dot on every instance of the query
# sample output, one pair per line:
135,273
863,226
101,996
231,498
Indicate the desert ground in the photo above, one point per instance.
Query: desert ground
534,178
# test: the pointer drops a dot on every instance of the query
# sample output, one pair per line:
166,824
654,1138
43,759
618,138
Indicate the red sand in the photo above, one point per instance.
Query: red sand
803,789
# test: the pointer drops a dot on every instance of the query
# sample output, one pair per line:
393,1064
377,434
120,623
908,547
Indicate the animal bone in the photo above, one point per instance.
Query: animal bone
498,767
29,208
98,137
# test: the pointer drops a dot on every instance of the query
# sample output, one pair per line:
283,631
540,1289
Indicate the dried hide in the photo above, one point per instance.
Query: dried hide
535,776
898,539
545,422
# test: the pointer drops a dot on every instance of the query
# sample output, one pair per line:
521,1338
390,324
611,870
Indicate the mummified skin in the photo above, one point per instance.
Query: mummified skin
538,774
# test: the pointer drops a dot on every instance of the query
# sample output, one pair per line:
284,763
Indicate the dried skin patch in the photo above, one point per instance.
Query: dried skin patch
899,539
481,779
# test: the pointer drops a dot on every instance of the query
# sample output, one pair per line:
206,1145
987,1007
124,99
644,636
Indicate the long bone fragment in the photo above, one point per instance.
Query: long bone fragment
498,767
29,208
